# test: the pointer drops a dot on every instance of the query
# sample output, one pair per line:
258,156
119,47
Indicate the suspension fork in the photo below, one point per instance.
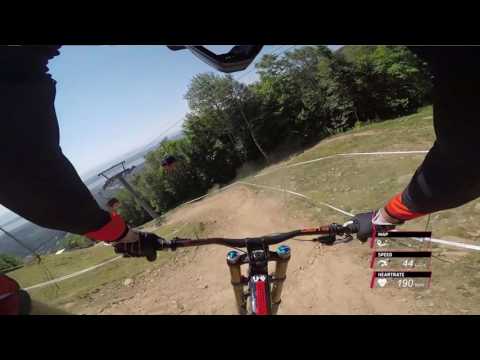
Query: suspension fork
281,258
234,261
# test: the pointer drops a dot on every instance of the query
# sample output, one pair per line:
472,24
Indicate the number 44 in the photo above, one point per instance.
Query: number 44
408,263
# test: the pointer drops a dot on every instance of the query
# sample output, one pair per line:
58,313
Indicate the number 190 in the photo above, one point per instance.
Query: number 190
405,283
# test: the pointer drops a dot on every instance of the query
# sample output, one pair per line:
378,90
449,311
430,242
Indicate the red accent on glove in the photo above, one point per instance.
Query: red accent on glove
114,230
397,209
9,296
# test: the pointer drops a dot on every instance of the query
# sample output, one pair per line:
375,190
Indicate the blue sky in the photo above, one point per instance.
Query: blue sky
113,99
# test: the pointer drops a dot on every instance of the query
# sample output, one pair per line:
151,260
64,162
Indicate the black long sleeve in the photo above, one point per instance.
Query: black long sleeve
37,181
450,174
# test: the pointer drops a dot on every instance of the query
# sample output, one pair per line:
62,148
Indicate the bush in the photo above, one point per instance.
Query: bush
9,261
130,209
73,241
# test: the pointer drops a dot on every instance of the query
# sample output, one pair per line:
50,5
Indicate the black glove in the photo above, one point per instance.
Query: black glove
146,246
362,224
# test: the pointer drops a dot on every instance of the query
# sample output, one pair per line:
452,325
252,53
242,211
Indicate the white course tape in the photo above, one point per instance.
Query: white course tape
297,194
201,197
385,153
433,240
336,209
71,275
308,162
454,243
345,154
196,199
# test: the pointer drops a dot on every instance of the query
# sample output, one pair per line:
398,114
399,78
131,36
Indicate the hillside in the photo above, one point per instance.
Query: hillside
320,280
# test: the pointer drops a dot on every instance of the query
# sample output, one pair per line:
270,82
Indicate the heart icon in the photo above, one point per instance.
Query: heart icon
381,282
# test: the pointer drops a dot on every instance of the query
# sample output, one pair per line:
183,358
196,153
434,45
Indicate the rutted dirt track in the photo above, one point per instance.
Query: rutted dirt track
320,280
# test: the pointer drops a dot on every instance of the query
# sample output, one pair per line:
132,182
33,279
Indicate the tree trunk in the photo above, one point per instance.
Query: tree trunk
252,135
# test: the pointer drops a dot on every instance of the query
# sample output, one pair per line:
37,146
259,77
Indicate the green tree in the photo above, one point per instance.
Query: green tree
384,81
74,241
230,107
301,92
131,211
169,189
8,262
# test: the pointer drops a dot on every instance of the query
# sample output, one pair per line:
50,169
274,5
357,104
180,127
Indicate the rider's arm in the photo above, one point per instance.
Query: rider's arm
37,181
450,174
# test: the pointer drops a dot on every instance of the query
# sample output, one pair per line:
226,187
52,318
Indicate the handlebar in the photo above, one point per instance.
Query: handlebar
331,231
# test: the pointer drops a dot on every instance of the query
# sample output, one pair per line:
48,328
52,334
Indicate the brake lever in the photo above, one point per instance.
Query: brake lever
343,231
326,240
331,240
346,238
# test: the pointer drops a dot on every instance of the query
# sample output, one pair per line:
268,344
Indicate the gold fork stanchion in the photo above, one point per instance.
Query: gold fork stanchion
279,276
233,261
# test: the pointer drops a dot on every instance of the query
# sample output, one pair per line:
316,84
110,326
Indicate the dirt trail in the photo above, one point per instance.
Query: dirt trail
320,280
